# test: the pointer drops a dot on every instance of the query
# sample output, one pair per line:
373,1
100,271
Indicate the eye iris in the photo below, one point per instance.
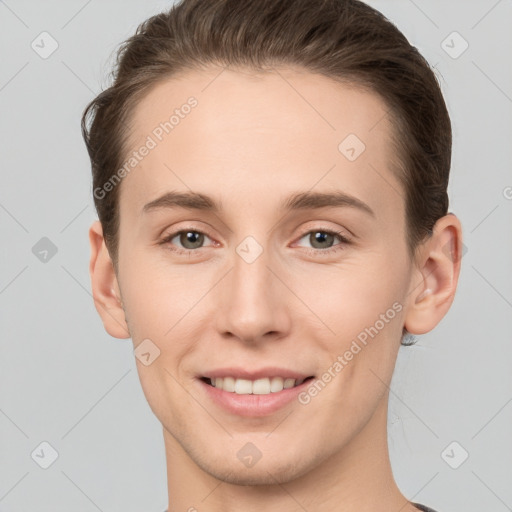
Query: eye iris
196,239
320,237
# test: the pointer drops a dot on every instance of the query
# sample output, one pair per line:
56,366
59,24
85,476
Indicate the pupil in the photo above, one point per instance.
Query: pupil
193,238
321,237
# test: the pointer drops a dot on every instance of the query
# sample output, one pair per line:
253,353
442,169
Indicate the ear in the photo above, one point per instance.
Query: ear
437,274
105,288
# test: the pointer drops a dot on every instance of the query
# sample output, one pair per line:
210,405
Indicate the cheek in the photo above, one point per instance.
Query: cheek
163,304
361,305
348,298
155,298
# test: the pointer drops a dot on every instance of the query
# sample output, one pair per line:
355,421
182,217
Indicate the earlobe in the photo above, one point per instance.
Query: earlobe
105,288
434,283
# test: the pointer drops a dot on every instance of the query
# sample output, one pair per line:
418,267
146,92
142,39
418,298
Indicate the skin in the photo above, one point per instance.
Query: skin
253,140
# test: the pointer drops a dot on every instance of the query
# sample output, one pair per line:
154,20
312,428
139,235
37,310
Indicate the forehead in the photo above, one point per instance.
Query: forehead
284,129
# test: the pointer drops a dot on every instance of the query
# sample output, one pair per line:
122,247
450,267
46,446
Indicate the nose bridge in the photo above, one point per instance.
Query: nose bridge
251,305
250,276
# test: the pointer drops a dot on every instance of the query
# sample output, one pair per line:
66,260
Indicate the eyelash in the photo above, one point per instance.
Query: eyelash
329,251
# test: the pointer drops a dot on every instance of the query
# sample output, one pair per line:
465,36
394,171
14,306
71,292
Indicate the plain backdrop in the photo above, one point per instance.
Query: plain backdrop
65,382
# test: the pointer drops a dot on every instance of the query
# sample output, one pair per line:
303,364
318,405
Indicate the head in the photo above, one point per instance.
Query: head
289,210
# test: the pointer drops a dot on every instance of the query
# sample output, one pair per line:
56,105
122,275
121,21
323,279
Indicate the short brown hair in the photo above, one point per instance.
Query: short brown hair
346,40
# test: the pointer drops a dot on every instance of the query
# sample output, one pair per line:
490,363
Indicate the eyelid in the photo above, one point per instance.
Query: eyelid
323,229
166,238
342,235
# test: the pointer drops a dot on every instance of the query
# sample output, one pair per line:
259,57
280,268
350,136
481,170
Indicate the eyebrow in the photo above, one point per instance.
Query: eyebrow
298,201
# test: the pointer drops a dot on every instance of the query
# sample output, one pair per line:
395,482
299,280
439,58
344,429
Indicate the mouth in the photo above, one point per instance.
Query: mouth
253,392
260,386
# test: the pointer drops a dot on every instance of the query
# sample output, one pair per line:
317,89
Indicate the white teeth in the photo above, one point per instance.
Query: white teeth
276,384
263,386
228,384
243,386
289,383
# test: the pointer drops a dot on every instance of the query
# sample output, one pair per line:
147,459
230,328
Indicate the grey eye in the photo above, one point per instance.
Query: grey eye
191,239
320,239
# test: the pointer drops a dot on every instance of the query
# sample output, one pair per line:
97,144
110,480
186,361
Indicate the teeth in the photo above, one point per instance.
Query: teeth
276,384
263,386
228,384
289,383
242,386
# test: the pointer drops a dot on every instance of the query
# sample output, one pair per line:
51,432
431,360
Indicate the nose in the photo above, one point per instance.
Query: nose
253,301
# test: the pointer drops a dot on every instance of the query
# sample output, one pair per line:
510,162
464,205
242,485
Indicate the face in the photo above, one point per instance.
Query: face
291,264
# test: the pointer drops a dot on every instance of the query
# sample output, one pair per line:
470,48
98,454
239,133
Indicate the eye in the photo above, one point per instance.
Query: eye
322,240
189,239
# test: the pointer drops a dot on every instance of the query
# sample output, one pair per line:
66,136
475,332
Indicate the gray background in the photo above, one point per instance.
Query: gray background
65,381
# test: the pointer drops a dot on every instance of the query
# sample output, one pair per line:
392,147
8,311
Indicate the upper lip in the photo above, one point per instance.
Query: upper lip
244,373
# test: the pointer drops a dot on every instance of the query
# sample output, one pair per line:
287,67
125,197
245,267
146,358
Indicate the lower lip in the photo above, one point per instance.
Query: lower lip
252,405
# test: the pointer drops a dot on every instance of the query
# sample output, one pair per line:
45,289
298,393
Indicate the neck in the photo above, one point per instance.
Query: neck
358,478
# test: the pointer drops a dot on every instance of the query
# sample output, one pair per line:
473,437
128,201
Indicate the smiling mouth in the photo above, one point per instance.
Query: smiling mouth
264,386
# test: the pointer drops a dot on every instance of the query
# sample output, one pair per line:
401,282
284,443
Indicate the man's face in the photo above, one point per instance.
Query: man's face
258,290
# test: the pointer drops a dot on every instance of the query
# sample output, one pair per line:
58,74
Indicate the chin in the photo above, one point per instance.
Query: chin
261,474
